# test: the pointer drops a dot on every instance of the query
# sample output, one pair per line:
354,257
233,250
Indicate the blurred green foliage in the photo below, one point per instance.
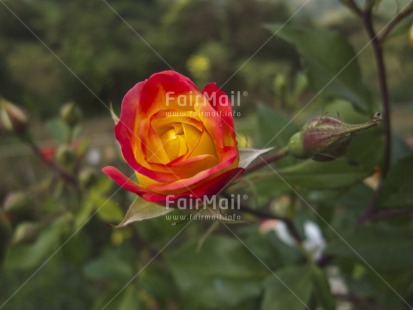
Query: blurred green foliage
59,248
109,55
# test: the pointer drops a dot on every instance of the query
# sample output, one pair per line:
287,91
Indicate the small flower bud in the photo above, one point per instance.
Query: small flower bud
280,86
66,156
70,114
25,232
325,138
17,205
13,118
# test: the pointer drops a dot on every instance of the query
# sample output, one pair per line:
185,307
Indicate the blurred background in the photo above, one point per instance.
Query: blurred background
91,53
94,55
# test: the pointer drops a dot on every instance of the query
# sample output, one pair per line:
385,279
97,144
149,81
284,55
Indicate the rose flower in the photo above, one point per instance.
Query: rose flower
179,141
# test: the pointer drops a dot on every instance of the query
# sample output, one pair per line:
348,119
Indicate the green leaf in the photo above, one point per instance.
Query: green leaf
366,148
222,275
23,257
399,148
331,61
381,247
84,214
273,127
95,199
247,156
157,280
397,188
111,267
110,212
310,174
270,249
290,289
348,208
142,210
59,130
129,299
322,289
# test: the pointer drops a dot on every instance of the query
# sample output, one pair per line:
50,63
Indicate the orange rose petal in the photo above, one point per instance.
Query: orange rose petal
152,148
158,86
199,163
205,146
123,180
124,138
166,118
221,103
183,147
212,122
208,189
192,136
229,161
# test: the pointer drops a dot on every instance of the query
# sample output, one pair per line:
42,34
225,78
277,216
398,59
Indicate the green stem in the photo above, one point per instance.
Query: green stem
386,214
383,87
395,21
52,165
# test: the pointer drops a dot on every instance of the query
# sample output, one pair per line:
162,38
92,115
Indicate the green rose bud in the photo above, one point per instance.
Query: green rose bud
280,86
325,138
25,232
17,205
71,114
13,118
66,157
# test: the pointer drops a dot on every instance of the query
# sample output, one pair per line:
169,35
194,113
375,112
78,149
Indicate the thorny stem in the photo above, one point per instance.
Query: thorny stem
384,93
266,160
52,165
353,7
385,214
377,45
395,21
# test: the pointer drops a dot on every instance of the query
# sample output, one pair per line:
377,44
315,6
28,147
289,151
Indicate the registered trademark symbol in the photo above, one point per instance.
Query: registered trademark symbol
245,196
245,93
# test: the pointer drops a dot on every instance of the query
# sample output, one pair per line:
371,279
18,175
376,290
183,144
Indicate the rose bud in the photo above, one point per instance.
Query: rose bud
179,141
13,118
281,86
18,207
325,138
25,232
70,114
66,156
